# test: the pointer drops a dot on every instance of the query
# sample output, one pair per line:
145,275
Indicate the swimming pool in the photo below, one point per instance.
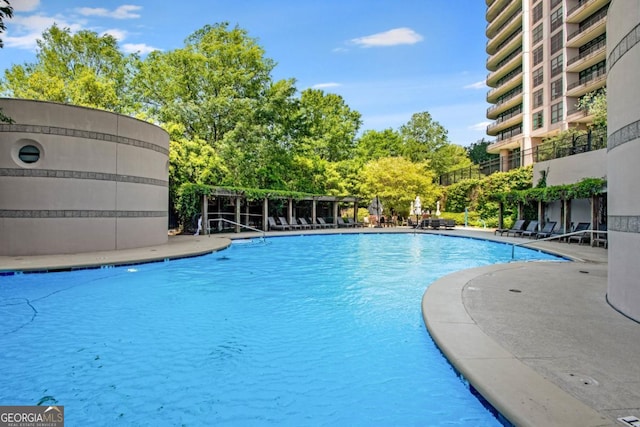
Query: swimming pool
300,330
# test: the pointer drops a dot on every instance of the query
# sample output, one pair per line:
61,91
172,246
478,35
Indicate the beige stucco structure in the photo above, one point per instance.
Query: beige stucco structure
76,179
623,154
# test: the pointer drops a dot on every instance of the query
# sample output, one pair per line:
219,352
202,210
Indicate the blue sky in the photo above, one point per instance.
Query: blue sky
388,59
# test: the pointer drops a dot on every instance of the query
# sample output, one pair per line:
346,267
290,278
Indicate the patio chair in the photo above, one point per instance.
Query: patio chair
532,227
449,224
354,223
305,224
323,223
584,237
342,224
546,230
435,224
600,236
292,226
275,226
518,225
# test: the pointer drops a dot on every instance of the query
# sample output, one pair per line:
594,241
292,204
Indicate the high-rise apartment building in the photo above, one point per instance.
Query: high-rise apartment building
543,56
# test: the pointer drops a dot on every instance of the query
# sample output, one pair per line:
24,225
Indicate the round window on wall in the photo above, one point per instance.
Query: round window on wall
29,154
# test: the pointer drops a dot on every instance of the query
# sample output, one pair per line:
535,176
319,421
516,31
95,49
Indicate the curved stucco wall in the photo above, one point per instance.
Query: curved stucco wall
623,155
100,183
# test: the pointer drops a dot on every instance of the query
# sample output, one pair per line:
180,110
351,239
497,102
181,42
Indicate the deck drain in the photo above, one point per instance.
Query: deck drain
516,291
584,380
630,421
584,271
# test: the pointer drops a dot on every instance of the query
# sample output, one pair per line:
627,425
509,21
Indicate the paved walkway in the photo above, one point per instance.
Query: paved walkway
538,340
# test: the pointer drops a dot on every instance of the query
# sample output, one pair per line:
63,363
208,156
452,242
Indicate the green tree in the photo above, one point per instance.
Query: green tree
397,181
595,103
6,12
477,152
422,137
82,69
375,144
330,126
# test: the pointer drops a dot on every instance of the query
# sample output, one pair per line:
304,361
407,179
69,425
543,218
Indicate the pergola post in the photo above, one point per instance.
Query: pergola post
566,220
335,213
238,212
290,210
314,211
265,214
540,213
205,213
501,215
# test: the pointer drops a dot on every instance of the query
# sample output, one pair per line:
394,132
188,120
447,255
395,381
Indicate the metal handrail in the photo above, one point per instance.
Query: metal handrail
559,236
233,223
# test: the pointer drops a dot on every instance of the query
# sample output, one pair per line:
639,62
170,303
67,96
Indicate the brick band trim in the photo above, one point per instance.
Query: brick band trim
100,176
76,133
10,213
629,41
623,135
624,223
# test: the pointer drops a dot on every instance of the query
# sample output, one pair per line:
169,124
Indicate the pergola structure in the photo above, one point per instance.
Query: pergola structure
225,209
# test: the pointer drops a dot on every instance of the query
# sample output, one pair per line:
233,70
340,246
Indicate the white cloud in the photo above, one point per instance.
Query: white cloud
25,30
477,85
325,85
140,48
126,11
480,126
116,33
24,5
394,37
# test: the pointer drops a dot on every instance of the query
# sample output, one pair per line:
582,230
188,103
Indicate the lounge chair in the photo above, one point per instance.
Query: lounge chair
275,226
342,224
600,236
354,223
532,227
584,237
546,230
435,224
449,224
323,223
304,223
292,226
518,225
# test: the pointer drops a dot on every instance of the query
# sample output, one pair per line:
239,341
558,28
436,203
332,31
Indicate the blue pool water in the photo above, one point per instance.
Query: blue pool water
300,330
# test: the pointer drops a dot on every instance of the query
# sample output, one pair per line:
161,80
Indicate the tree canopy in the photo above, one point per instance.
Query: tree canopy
231,124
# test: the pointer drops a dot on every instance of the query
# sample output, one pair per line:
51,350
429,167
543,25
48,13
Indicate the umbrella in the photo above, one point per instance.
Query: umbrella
375,207
417,206
438,208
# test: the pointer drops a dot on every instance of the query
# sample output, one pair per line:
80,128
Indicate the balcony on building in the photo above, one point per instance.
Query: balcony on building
503,62
508,141
494,7
582,34
586,59
505,122
583,9
508,44
577,116
503,105
502,28
587,84
494,94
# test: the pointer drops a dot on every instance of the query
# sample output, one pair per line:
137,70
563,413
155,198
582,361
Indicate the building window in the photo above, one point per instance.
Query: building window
556,42
556,89
29,154
537,120
592,72
556,19
537,34
537,13
538,77
538,98
556,65
556,112
538,55
554,3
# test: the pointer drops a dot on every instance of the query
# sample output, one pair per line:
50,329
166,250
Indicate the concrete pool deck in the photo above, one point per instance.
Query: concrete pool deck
538,340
